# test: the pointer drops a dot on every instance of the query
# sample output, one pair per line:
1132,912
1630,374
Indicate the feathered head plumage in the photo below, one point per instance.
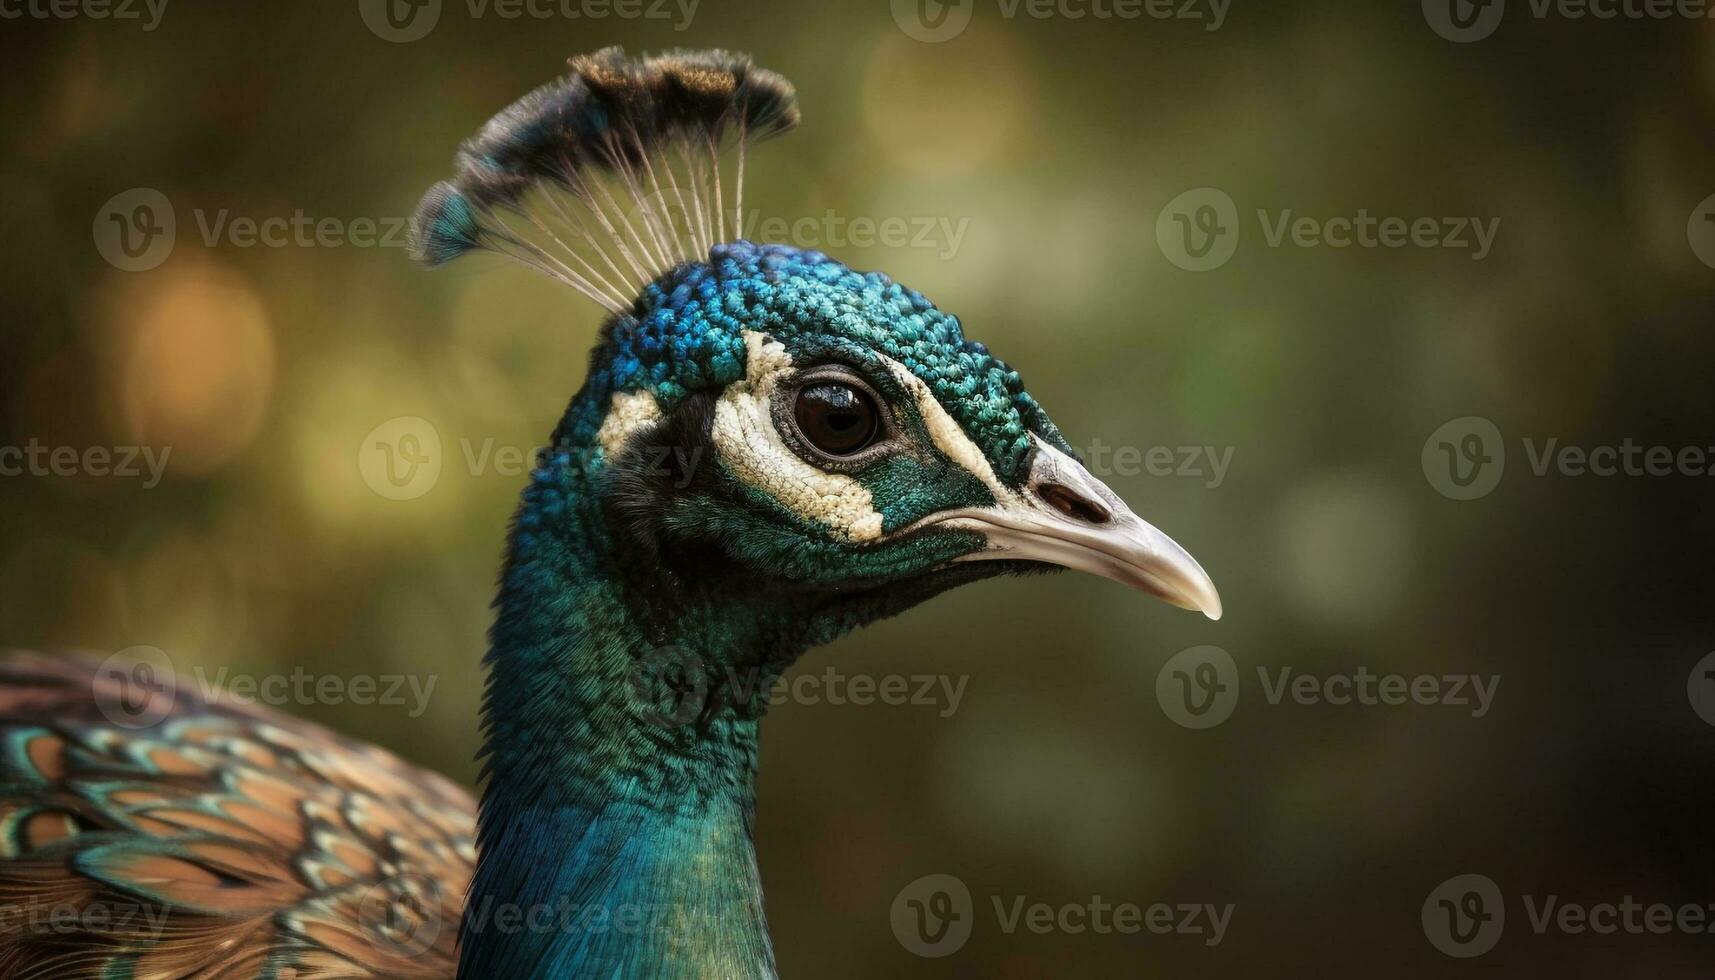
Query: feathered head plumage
534,184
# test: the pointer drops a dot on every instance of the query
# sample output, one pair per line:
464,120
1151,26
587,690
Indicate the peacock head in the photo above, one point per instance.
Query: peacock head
769,429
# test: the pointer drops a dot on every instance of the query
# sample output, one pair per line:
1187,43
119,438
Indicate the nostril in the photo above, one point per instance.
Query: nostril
1074,504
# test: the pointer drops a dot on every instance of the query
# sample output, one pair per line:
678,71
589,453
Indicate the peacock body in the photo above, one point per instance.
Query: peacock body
769,450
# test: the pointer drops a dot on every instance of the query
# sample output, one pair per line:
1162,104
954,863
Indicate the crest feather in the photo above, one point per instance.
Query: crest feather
534,184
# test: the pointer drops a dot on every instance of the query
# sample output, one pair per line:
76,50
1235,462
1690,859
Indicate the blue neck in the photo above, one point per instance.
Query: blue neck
614,842
617,892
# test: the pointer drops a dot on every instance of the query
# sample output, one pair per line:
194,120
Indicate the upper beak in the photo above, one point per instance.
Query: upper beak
1069,518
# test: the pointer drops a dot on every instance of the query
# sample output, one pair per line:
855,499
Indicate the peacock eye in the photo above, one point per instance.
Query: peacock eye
838,419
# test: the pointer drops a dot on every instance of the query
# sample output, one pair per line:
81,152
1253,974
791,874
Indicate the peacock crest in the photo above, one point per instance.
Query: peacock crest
610,177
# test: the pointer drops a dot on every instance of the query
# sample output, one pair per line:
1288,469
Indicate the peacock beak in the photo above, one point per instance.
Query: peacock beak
1067,517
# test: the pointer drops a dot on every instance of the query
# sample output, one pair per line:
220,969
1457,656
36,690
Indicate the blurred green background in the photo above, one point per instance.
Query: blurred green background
1057,142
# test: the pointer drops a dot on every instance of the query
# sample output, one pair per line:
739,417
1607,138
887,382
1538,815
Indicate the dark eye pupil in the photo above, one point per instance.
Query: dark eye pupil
836,418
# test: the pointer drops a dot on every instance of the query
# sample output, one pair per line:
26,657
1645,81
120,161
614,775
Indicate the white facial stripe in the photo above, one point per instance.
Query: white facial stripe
946,433
628,413
745,437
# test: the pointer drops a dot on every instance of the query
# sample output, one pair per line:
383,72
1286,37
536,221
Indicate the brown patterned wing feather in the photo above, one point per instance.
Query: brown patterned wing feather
146,834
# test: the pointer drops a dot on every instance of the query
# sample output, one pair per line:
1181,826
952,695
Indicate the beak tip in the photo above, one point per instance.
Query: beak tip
1209,604
1194,589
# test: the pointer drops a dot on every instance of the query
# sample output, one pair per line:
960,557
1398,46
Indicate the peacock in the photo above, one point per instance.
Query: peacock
769,450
